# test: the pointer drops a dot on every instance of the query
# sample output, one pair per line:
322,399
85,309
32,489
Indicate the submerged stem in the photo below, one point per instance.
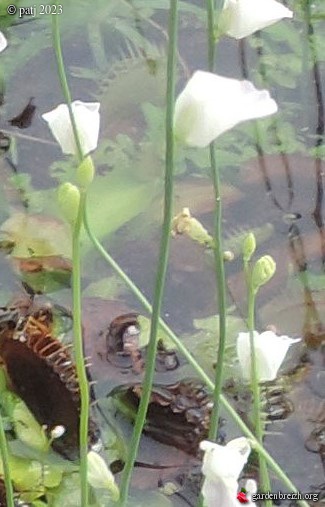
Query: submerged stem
163,256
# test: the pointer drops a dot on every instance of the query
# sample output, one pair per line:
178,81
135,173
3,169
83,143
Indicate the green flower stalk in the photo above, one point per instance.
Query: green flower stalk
213,12
255,387
76,271
163,255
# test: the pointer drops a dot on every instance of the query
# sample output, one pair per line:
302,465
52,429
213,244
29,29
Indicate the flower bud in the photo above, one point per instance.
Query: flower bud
263,271
184,223
69,199
99,475
57,431
85,172
228,256
249,246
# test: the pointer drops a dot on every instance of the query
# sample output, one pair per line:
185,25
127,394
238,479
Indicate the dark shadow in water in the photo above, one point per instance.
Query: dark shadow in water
261,158
319,130
313,327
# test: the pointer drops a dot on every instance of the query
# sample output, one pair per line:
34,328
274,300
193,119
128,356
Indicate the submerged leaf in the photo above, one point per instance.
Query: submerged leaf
37,235
204,343
144,323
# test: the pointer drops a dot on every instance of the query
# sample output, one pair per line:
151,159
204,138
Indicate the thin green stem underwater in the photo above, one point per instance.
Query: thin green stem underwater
188,356
163,255
5,465
255,387
76,282
218,250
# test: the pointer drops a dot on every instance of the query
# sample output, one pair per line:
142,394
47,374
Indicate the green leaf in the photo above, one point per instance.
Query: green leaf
25,425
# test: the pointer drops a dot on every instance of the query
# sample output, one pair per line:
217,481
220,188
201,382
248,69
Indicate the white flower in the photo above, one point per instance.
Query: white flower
3,42
210,105
241,18
87,119
270,351
221,468
99,475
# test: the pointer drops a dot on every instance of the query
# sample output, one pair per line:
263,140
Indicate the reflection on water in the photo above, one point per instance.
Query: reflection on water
273,173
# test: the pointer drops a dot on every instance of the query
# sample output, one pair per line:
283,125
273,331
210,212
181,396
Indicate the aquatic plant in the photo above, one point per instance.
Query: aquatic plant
72,199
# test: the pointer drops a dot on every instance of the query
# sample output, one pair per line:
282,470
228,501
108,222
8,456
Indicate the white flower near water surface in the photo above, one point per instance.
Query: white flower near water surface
270,351
241,18
87,119
3,42
221,468
210,105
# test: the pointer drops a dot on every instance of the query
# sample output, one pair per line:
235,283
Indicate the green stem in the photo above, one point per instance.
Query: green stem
5,465
255,387
76,281
217,236
64,82
163,255
78,351
188,356
221,289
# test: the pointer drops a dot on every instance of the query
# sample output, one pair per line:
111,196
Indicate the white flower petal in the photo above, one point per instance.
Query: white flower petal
221,468
210,105
251,487
220,493
241,18
270,351
87,119
3,42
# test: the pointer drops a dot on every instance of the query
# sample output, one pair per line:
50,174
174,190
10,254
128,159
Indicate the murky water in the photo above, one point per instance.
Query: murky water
272,176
